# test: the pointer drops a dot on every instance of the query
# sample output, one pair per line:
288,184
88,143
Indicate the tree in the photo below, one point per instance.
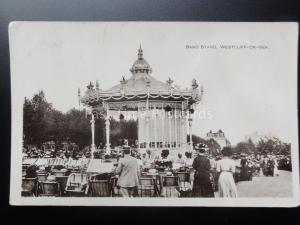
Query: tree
57,128
273,146
129,130
36,119
78,128
245,147
123,129
27,122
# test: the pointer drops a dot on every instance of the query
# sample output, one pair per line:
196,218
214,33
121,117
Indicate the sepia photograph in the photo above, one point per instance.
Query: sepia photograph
154,114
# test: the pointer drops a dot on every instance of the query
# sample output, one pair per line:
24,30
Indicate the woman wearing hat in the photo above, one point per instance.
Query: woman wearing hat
244,175
226,168
202,186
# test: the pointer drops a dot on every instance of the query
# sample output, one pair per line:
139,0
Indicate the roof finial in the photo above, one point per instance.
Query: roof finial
79,97
170,81
90,86
140,53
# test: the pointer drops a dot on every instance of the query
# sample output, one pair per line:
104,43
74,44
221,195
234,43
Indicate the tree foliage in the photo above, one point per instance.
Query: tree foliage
245,147
36,119
123,129
78,128
271,145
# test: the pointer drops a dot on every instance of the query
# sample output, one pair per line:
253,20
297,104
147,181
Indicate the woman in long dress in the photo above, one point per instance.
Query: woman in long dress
226,168
275,166
244,169
202,186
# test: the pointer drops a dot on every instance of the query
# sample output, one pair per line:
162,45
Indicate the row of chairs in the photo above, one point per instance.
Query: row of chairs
35,187
79,185
167,186
108,188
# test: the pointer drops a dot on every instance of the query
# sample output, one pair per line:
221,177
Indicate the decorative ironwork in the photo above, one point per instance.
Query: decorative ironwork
194,84
170,81
134,105
97,85
90,86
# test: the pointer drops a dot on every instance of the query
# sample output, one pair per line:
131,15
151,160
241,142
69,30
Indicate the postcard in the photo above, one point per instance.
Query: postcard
154,114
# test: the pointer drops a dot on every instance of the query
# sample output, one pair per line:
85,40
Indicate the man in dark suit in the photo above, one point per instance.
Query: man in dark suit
128,171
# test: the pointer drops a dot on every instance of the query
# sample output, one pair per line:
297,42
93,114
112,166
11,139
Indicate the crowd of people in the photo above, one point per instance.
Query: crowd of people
72,152
205,175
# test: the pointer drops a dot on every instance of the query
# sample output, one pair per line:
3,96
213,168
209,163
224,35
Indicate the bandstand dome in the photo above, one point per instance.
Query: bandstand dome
140,65
160,128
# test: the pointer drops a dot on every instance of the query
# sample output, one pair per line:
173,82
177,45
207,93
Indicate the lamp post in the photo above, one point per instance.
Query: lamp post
190,119
92,122
93,146
107,128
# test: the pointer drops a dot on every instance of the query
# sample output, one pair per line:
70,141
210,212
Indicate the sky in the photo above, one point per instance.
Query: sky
245,90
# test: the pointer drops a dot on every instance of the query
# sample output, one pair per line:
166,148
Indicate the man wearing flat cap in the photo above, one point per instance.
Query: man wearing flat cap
128,170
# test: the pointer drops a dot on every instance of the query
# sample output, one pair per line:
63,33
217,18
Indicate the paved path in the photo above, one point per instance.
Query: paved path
280,186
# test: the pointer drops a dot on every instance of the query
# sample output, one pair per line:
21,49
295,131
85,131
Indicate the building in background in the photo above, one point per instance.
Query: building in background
219,137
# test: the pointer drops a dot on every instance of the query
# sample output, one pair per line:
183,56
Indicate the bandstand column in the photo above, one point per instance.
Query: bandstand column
93,147
170,129
107,129
155,128
183,129
147,125
180,129
163,128
138,126
190,120
175,129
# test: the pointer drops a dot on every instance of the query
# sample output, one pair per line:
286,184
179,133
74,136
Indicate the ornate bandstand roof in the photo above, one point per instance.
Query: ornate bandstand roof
141,86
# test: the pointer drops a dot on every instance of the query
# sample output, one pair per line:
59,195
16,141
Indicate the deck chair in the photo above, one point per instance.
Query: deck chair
76,184
183,176
100,188
62,180
185,186
146,187
170,187
58,173
115,188
170,181
49,188
24,172
29,187
42,177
